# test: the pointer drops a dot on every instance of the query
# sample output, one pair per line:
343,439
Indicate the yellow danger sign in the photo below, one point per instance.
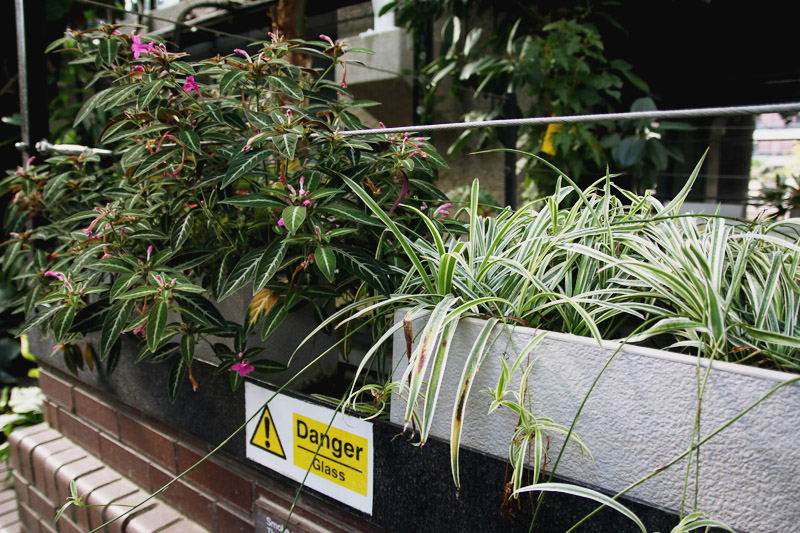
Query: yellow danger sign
331,453
266,435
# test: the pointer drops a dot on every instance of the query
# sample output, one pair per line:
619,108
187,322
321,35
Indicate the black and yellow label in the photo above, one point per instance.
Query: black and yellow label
266,436
331,453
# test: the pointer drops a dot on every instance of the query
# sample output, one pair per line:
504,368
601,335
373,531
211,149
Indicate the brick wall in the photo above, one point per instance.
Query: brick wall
88,435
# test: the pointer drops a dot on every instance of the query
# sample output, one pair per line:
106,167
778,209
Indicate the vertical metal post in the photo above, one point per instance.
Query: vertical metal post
33,101
510,158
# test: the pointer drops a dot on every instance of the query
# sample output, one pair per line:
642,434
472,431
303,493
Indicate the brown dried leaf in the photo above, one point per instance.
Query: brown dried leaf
261,304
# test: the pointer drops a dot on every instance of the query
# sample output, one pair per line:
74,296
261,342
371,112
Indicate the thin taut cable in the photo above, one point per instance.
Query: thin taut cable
569,119
603,117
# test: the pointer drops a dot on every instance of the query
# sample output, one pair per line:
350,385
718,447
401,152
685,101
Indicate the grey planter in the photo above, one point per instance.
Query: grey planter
638,418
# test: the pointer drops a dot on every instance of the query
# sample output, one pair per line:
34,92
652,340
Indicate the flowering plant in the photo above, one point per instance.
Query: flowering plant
226,175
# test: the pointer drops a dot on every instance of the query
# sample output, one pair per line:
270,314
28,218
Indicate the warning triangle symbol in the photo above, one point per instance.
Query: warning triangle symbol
266,436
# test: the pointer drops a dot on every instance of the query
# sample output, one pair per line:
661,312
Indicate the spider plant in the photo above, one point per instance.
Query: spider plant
612,265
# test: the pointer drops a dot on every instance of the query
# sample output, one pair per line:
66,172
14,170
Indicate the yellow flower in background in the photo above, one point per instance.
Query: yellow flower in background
547,146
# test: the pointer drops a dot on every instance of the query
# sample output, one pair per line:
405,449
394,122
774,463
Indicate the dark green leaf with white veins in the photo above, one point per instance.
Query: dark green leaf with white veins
113,325
181,230
325,261
177,373
364,267
286,144
187,349
346,212
156,322
89,106
262,121
243,272
112,265
254,200
123,283
138,292
269,264
273,319
191,140
229,79
241,167
63,322
286,86
108,51
203,311
293,218
148,94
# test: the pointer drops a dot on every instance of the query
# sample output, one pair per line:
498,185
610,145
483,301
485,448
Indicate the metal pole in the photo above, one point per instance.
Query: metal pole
33,99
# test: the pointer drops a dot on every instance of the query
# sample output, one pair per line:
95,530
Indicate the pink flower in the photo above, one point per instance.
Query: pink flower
61,277
306,203
138,47
280,223
326,38
191,85
442,211
139,68
57,275
242,367
242,52
141,329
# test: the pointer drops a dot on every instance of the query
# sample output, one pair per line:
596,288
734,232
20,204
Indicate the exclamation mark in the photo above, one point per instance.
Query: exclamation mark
266,431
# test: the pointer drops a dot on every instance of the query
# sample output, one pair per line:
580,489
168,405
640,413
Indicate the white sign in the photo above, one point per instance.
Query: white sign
296,438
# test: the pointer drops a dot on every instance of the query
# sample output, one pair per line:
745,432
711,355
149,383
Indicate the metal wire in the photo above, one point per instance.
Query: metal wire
603,117
569,119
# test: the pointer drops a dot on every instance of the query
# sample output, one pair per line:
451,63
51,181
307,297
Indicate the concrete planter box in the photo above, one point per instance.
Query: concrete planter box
637,419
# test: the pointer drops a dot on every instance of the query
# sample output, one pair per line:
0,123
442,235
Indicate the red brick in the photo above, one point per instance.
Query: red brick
8,494
84,486
129,463
150,442
99,413
75,470
185,498
50,411
11,523
152,519
46,527
66,525
106,496
42,506
229,520
28,518
184,526
21,487
41,454
123,510
8,505
217,478
53,463
26,446
79,431
19,434
310,510
56,389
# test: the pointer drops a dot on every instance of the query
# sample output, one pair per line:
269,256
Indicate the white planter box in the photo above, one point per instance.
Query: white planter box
638,418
